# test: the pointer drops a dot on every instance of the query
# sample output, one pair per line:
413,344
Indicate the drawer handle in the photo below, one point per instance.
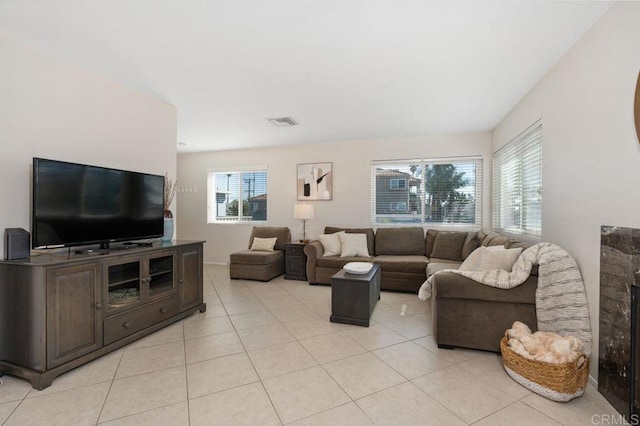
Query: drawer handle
98,306
163,310
126,324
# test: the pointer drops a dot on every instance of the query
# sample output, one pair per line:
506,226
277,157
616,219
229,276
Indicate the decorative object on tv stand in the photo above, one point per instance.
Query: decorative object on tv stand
315,181
169,193
303,212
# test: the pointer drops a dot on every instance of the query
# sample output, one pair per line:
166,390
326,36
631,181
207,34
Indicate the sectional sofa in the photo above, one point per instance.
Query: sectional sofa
464,313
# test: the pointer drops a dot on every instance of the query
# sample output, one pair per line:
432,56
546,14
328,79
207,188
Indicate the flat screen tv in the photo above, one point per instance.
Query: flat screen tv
77,204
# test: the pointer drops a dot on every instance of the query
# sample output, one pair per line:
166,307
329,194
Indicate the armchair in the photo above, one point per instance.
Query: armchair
260,265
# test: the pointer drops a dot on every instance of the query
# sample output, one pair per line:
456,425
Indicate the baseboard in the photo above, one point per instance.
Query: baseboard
216,263
593,382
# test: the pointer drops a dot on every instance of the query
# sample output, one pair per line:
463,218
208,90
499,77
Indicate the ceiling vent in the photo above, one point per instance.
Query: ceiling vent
283,121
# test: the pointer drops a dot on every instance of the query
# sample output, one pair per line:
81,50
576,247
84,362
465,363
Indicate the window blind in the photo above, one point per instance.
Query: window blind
237,196
517,185
427,192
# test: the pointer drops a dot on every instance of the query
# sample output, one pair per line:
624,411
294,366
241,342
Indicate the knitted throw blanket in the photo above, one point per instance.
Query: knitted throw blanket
561,301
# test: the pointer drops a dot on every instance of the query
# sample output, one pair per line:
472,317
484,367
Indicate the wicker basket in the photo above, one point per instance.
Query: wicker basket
558,382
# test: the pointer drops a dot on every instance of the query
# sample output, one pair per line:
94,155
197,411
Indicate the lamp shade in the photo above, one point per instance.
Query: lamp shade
303,211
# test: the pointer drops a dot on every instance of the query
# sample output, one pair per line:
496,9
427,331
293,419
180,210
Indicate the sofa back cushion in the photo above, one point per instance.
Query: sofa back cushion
400,241
448,245
431,238
472,242
492,239
281,232
367,231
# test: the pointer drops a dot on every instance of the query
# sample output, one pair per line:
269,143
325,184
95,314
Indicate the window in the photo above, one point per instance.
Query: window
237,196
397,184
427,192
398,206
517,185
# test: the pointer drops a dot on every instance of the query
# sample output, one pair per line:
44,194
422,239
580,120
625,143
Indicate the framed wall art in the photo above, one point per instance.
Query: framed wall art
315,182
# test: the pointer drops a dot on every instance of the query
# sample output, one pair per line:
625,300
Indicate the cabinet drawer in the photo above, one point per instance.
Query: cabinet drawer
291,250
130,322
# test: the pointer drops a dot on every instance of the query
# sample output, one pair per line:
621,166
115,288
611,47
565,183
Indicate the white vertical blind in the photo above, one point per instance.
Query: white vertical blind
427,192
237,196
517,185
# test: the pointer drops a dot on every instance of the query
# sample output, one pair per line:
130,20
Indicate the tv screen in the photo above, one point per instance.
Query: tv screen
76,204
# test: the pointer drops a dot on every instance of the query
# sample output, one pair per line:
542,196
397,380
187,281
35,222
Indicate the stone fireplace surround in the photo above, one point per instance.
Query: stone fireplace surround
618,364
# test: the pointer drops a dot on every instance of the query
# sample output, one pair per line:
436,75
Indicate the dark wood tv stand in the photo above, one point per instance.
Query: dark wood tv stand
61,310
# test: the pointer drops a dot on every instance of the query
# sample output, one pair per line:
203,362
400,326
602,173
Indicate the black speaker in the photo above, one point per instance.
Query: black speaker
16,244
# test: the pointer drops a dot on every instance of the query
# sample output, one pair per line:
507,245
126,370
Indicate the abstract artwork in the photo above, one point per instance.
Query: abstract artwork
315,181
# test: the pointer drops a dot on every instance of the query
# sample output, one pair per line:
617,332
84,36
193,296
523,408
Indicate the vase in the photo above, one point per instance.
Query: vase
168,229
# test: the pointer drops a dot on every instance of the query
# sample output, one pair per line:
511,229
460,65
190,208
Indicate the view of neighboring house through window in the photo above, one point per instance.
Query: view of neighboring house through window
237,196
517,185
427,191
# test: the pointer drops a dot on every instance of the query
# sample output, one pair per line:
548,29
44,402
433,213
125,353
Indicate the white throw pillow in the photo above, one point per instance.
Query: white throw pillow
490,258
331,244
473,260
354,245
501,258
263,244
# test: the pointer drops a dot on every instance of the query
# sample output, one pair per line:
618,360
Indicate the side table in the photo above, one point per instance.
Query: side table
295,262
353,296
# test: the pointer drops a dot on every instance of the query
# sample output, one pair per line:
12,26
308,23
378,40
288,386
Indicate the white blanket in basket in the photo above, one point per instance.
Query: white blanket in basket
561,301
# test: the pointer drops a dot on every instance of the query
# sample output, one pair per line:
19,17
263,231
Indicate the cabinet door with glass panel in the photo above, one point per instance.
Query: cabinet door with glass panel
123,278
160,275
132,281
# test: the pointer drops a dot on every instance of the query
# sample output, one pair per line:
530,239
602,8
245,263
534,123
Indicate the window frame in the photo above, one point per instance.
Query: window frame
397,187
525,152
212,218
420,194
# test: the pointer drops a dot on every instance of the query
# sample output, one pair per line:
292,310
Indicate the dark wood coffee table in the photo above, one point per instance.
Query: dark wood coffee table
353,296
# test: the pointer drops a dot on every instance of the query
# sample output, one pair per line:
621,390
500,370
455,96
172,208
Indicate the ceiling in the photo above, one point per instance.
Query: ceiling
344,69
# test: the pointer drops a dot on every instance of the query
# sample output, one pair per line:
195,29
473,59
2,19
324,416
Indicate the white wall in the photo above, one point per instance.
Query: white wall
54,109
351,202
591,155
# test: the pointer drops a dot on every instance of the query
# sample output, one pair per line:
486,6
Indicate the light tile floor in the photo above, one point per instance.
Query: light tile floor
266,353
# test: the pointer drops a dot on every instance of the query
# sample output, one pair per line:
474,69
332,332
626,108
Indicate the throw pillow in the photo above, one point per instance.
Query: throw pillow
354,245
263,244
331,244
473,260
490,258
448,245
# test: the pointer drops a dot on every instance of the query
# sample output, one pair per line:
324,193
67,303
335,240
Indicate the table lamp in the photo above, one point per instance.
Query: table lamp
303,212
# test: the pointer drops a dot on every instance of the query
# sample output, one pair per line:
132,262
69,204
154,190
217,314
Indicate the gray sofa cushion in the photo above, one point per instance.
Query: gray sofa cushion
472,242
400,241
339,262
492,239
448,245
252,257
436,265
429,240
411,263
458,287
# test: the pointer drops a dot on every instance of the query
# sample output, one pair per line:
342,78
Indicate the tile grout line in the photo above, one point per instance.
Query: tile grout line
255,370
113,379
